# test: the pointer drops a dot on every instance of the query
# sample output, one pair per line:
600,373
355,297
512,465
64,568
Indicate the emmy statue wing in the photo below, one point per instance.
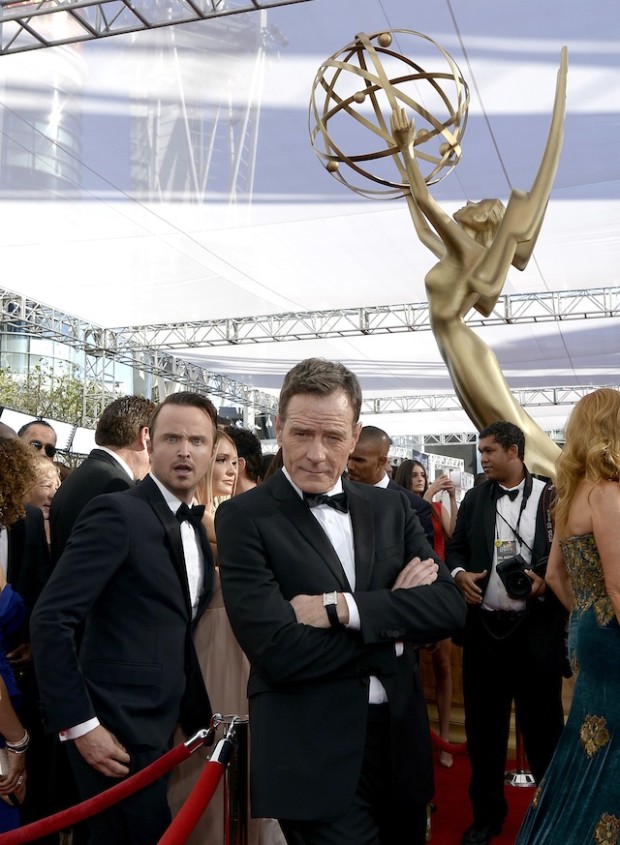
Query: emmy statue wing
525,211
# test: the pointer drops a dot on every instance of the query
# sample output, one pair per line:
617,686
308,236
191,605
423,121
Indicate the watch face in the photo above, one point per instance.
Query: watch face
330,598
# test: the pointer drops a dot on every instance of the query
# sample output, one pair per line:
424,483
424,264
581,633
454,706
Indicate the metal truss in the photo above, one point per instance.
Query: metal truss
102,347
531,398
48,23
541,307
21,315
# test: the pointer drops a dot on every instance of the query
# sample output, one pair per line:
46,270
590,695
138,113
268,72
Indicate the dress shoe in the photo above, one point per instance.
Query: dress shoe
480,834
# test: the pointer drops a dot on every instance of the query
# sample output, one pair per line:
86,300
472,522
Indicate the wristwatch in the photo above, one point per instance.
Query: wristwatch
330,603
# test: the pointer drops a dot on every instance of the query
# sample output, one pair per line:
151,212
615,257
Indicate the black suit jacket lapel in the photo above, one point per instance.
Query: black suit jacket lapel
363,536
299,514
487,523
208,567
173,532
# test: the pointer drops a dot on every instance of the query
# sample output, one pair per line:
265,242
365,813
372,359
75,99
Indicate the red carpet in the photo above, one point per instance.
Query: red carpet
453,813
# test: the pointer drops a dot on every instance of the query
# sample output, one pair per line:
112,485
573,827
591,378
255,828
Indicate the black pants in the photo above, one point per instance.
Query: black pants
140,819
373,817
499,667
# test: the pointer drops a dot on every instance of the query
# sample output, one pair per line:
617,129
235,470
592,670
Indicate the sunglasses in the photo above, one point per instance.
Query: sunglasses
50,450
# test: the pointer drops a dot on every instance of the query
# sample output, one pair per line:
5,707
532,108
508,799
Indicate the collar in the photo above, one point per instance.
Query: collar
337,488
519,486
171,500
118,460
384,482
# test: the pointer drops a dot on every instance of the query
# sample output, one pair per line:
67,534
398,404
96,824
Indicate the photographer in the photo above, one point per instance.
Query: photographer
513,645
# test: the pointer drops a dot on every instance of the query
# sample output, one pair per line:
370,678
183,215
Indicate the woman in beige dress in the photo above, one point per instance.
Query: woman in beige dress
224,666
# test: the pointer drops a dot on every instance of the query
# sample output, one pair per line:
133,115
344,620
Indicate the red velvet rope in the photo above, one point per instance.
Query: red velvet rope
442,745
187,818
92,806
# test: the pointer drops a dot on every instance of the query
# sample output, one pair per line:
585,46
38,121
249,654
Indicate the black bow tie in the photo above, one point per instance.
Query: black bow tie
193,515
501,491
339,501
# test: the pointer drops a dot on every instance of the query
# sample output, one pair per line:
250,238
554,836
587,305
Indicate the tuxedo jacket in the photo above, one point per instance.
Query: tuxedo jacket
308,686
98,473
123,576
471,547
420,506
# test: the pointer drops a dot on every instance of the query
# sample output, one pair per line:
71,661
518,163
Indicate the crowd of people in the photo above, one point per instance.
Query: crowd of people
178,572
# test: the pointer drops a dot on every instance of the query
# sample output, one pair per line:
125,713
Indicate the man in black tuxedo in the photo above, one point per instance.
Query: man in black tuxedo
368,464
329,586
137,572
513,647
120,460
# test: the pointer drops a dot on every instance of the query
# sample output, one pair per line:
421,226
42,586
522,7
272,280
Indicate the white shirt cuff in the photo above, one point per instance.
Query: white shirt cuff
79,730
354,614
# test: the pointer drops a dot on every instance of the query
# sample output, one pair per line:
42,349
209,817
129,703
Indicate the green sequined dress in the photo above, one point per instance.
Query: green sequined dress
578,802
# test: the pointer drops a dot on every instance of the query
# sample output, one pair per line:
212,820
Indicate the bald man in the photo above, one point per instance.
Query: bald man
368,464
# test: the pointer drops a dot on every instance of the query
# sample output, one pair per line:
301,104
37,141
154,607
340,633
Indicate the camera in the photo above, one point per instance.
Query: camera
513,577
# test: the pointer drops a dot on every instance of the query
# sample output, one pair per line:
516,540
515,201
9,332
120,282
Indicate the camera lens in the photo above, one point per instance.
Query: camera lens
518,585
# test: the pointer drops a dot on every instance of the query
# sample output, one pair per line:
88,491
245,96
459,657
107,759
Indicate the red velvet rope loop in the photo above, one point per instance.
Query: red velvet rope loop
187,818
441,745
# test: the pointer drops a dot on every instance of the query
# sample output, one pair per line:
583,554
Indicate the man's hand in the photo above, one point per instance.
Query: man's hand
417,573
538,583
103,752
468,584
309,610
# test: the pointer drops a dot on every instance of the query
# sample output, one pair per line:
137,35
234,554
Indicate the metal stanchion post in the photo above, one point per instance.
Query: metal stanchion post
521,776
236,784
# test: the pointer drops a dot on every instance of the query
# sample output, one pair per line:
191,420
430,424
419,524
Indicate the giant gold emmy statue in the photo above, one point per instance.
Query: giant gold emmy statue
376,89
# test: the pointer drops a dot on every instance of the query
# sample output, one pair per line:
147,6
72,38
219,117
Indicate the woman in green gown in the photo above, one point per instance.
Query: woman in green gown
578,800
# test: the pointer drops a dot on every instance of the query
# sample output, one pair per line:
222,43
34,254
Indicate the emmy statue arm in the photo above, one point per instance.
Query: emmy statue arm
445,233
427,236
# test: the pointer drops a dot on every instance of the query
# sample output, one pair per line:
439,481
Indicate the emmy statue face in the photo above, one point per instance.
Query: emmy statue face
476,215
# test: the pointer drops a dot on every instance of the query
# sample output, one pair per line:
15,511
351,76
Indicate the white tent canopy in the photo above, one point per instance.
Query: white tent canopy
189,190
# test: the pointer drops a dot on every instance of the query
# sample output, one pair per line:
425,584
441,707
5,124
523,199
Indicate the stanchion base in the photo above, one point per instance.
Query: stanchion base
519,779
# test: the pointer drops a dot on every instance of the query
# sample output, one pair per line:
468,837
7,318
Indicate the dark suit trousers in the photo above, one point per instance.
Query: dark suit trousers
372,818
140,819
499,667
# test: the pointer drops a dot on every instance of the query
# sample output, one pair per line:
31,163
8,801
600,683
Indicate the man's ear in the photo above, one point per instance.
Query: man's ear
241,463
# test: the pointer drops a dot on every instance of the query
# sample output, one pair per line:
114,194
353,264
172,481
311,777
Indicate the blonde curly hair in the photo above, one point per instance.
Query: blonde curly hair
18,476
591,450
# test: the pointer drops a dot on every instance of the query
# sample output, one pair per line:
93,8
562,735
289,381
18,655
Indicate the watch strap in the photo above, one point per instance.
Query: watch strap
330,603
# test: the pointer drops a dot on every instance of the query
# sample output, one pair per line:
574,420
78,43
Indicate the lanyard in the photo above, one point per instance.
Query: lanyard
527,491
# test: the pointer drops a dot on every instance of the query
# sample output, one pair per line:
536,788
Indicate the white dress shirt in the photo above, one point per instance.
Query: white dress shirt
506,519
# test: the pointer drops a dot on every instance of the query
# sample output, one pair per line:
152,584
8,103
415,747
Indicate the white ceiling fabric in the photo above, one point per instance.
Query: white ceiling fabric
108,254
